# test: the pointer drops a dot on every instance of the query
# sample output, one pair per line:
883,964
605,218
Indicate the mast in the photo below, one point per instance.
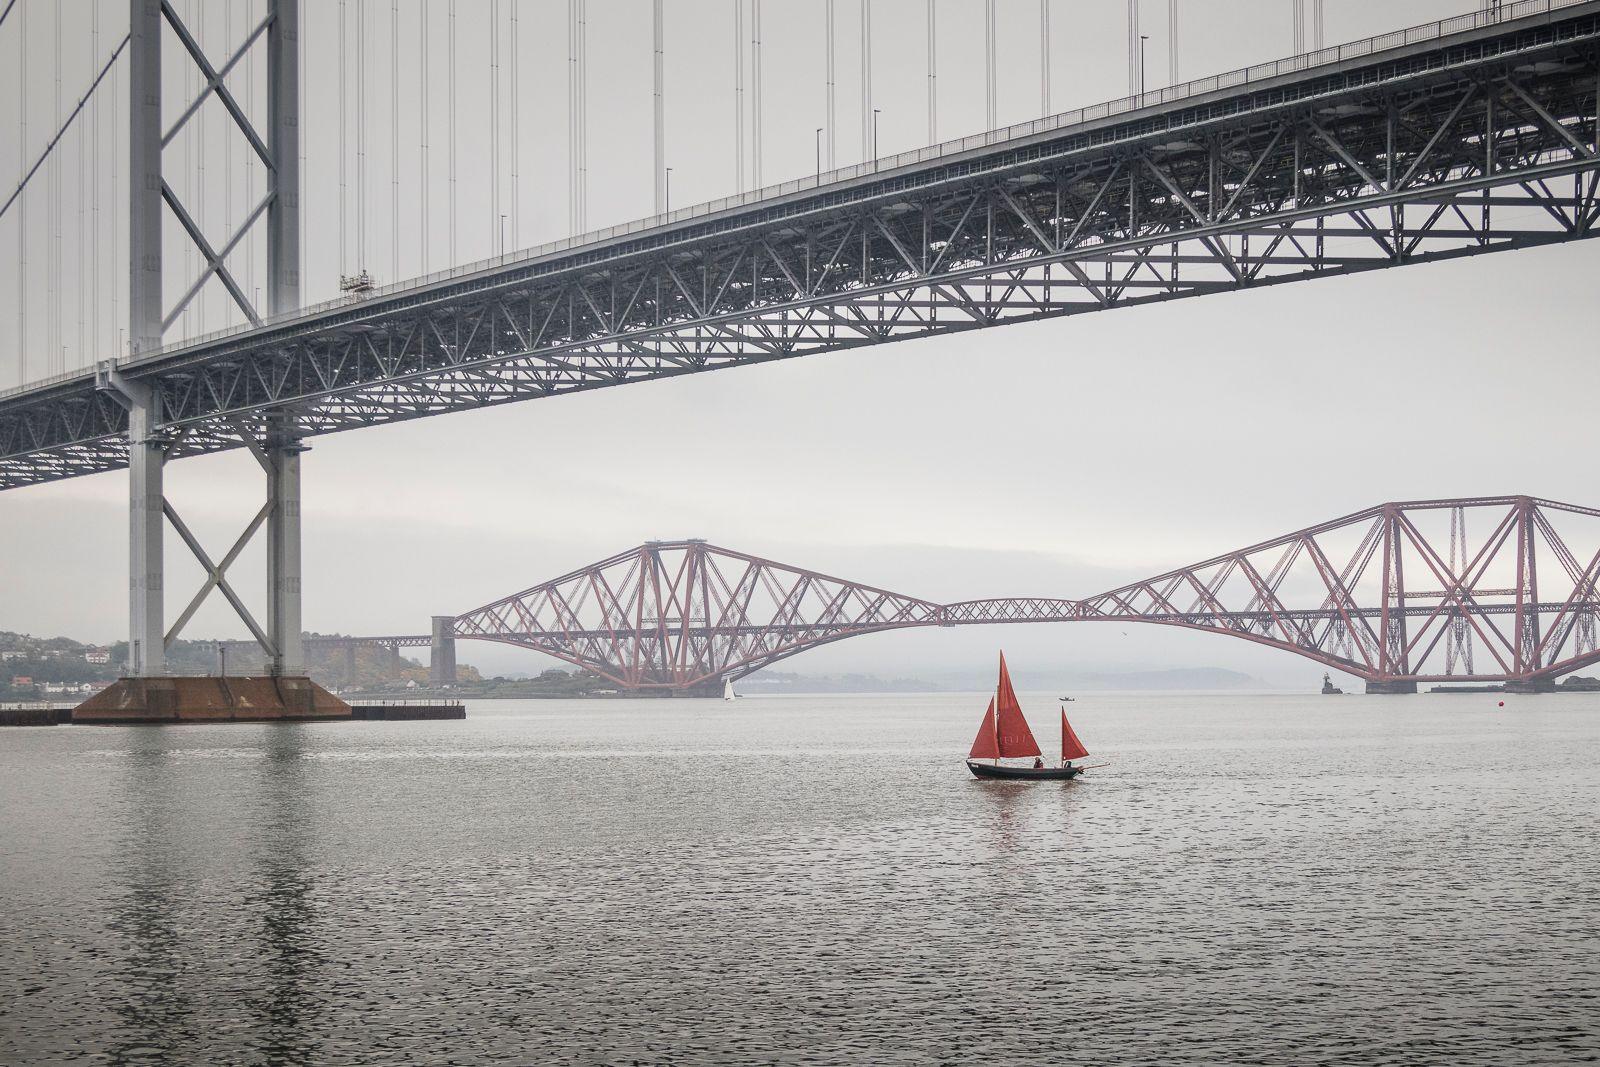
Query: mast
997,678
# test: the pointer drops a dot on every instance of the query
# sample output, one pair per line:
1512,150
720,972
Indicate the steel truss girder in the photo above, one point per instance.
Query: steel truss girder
1435,156
685,614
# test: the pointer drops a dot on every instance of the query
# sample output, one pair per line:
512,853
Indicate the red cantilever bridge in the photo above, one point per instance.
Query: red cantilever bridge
1486,589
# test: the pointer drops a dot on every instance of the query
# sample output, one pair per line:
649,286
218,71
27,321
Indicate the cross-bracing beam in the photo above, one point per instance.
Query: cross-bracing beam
272,434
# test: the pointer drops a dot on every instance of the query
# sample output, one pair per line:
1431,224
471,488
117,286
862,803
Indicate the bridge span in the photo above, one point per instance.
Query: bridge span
1484,589
1471,135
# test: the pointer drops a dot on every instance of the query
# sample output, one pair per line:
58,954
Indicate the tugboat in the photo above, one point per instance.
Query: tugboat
1004,734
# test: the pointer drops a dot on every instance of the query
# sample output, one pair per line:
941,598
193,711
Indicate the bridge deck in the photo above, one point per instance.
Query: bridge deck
1401,149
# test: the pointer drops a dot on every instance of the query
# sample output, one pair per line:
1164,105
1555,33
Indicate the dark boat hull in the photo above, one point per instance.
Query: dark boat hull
993,770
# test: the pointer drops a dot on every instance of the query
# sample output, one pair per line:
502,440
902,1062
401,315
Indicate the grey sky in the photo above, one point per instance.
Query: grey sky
1049,459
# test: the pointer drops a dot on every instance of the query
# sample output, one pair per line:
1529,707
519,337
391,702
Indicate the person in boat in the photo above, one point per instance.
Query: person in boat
1038,763
1066,765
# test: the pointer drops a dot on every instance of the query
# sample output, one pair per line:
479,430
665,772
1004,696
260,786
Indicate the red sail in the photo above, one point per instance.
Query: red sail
1071,747
987,744
1015,737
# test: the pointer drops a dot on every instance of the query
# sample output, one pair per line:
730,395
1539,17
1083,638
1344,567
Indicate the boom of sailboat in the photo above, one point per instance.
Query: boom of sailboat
1004,734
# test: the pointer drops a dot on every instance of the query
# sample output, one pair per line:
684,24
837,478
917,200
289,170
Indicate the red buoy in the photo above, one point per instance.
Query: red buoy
1502,703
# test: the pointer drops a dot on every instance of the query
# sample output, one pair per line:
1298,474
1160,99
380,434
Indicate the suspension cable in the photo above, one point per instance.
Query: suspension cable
451,125
362,199
116,219
424,184
833,111
1044,56
94,212
64,126
250,277
738,95
1172,42
227,153
583,115
1133,46
53,275
516,44
755,94
192,253
494,127
991,111
933,73
22,223
394,140
866,80
344,140
83,203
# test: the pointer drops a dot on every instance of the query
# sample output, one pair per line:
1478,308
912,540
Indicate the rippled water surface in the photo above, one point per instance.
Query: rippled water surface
1254,879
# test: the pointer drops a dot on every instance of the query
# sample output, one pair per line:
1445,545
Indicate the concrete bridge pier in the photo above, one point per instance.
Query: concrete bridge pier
442,663
1395,686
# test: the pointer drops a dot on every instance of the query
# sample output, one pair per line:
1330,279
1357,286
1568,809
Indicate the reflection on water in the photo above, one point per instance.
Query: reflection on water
161,985
289,947
147,986
808,880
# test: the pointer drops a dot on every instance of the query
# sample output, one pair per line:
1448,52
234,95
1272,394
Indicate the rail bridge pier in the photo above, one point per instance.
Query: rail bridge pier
1406,685
442,661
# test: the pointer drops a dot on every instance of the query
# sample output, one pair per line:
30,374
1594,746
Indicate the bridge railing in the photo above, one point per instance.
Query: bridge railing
1428,31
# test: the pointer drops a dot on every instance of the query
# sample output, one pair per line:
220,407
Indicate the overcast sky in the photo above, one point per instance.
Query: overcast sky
1056,458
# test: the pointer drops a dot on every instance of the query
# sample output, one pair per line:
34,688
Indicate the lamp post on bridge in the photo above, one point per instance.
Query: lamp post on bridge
875,113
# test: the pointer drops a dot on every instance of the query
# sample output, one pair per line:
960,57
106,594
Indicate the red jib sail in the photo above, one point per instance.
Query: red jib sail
1071,747
987,745
1015,737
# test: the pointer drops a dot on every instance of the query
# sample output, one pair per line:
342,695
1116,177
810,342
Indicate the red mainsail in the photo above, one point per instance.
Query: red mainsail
987,744
1071,747
1015,739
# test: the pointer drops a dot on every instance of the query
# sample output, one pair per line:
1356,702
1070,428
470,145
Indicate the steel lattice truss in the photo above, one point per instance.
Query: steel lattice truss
1478,142
1399,593
680,614
1425,591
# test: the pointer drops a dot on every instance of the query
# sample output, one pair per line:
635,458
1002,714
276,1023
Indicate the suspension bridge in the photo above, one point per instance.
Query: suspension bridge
1463,137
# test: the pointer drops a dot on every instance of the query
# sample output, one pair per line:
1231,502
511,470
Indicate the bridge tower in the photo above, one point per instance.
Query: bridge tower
275,441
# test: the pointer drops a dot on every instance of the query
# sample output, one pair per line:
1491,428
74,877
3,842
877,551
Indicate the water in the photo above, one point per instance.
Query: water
1254,879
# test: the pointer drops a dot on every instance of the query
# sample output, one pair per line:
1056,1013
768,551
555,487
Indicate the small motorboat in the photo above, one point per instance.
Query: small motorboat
1068,700
1004,734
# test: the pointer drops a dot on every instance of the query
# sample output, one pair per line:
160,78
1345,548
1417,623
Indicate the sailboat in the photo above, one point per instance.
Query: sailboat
1004,734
